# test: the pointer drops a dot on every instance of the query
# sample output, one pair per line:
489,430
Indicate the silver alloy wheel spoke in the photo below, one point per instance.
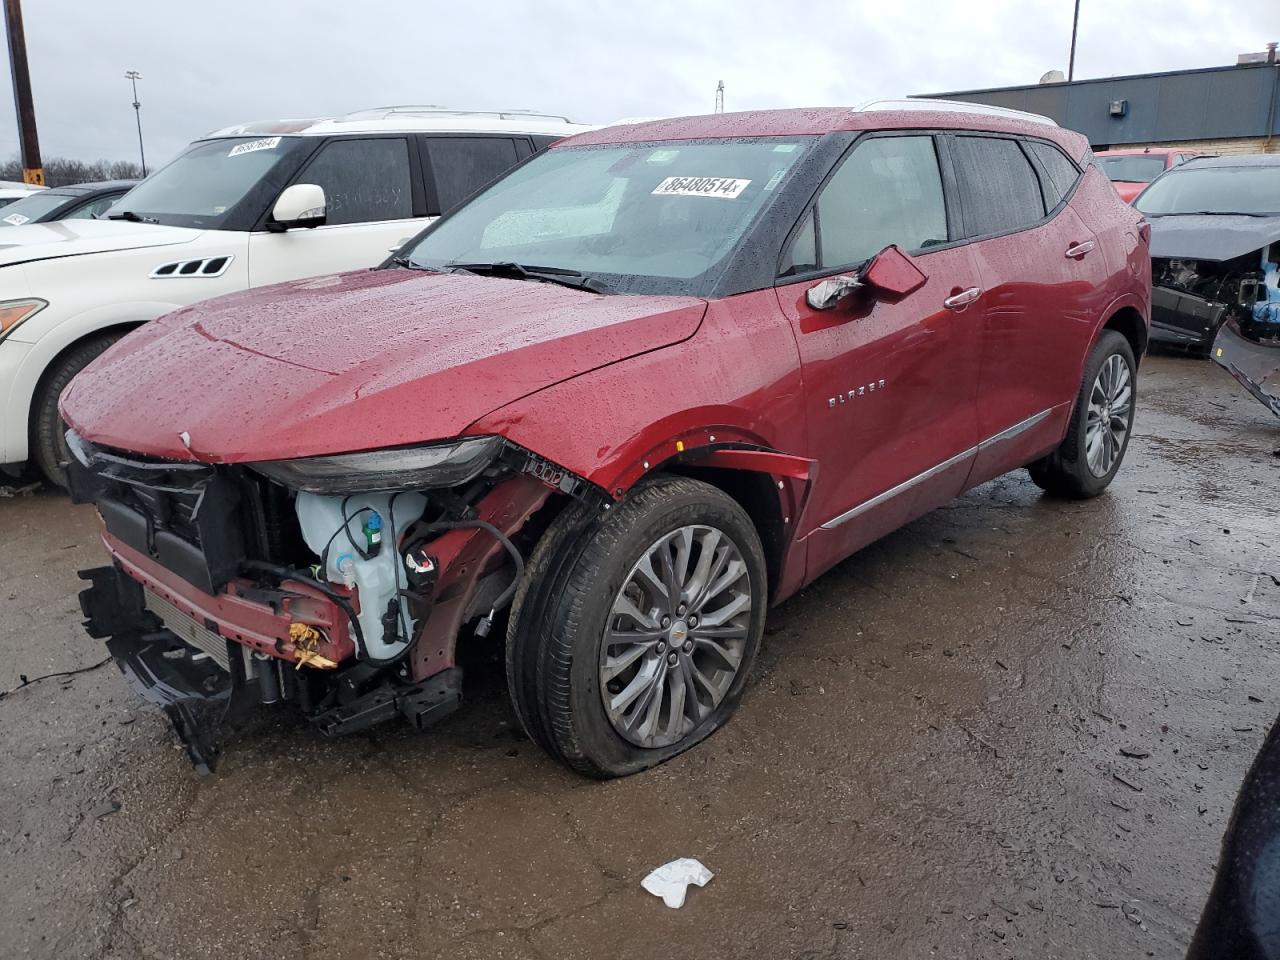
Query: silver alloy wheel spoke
676,636
1107,416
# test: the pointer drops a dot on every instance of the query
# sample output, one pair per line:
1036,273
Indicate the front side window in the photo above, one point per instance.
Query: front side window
462,165
887,191
644,218
1001,192
364,181
1183,190
203,185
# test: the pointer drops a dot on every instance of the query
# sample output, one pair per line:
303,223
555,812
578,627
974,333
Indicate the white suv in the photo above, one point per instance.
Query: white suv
242,207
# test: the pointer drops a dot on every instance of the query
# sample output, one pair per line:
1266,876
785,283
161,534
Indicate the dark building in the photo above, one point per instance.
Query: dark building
1217,110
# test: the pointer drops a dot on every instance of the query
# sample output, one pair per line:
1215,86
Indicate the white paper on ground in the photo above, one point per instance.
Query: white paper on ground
671,880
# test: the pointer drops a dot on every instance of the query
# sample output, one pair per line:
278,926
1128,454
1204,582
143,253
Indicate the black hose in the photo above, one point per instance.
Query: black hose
498,535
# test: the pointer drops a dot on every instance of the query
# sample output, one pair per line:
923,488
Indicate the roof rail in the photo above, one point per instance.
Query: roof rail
435,110
953,106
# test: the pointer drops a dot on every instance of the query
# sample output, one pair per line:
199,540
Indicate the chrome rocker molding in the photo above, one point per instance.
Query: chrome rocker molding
1008,434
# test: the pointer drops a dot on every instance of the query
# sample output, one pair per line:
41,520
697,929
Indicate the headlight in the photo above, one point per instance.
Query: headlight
401,468
13,312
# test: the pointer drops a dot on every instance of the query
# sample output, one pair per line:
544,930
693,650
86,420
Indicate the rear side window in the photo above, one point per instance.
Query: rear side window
1001,192
887,191
1059,173
462,165
363,180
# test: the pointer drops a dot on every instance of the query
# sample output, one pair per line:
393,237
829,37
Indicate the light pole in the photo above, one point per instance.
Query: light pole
1071,62
133,76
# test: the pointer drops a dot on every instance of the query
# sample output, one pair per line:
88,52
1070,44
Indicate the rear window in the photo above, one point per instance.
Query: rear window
1001,190
1142,169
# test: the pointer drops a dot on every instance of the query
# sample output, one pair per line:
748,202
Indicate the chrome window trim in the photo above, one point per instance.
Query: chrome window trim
1007,434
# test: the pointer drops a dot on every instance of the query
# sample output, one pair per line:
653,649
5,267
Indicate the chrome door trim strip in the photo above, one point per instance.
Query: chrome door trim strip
1020,427
1007,434
903,487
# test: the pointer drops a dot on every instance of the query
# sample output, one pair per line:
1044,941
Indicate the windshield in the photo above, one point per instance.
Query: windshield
205,182
1253,190
644,218
32,208
1131,169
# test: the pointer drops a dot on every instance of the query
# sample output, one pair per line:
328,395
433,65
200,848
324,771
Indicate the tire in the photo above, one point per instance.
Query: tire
588,565
1068,471
48,441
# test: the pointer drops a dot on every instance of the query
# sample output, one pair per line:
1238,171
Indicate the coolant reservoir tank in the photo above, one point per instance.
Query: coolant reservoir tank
377,578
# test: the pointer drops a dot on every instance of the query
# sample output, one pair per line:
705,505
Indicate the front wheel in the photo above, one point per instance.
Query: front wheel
1086,461
48,430
633,636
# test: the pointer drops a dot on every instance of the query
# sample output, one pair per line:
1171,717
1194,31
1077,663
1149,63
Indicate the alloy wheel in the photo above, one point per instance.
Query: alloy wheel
1107,421
675,637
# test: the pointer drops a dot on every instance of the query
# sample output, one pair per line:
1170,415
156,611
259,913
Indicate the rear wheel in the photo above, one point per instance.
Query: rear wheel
1087,460
48,430
635,633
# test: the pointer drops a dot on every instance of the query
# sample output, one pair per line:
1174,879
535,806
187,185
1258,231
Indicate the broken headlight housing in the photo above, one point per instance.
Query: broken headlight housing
398,468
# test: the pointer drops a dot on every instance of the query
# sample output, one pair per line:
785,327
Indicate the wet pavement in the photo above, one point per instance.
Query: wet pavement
1013,729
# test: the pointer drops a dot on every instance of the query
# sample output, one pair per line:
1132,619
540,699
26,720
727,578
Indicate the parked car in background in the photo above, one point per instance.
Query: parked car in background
1215,249
14,190
82,201
1132,170
645,385
242,207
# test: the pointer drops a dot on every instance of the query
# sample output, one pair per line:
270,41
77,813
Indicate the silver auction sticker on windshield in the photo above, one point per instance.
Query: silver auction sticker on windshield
253,146
724,187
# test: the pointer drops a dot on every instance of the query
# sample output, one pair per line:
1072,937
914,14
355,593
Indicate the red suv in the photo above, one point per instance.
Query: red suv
649,383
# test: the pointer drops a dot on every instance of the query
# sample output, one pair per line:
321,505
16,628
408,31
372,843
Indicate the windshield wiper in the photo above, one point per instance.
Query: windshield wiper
520,271
131,217
1214,213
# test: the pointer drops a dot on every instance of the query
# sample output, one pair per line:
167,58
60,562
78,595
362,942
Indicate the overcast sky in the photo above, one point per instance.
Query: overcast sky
208,65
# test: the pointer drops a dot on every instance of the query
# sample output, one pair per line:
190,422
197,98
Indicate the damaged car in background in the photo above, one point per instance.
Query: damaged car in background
1215,265
650,382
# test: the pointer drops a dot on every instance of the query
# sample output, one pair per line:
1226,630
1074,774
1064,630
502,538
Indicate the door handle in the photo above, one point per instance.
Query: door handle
958,301
1077,250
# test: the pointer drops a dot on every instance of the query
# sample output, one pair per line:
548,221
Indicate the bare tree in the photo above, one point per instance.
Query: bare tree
60,171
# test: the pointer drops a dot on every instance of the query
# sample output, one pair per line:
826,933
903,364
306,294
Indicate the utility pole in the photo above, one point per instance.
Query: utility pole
720,97
32,169
1071,62
133,76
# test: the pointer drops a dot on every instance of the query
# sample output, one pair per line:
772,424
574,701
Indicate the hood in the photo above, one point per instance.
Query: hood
355,362
1211,236
73,238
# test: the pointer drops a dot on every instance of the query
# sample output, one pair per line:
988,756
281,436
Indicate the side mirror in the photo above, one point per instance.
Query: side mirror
891,274
301,205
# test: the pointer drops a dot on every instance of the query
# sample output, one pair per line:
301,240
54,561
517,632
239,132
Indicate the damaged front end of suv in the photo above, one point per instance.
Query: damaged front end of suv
336,583
1215,265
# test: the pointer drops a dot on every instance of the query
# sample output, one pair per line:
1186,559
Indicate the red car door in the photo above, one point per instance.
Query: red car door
888,386
1041,269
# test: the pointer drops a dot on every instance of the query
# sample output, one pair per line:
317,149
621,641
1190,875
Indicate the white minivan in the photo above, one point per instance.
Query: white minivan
242,207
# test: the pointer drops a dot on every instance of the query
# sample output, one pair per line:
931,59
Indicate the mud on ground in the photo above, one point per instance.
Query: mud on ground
1013,729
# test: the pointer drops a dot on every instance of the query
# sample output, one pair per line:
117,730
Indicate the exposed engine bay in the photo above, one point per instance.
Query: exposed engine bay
1192,298
237,585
